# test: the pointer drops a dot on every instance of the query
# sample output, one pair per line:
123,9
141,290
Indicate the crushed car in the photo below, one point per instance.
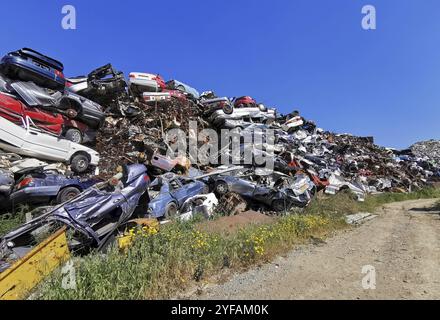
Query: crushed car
68,103
180,86
29,65
250,114
14,110
30,141
203,205
284,193
92,217
169,192
145,82
43,186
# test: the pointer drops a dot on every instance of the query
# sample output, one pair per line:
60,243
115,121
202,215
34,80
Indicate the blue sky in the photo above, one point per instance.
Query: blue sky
310,55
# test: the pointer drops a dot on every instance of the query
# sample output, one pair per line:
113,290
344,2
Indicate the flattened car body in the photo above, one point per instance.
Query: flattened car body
86,110
43,186
279,196
33,142
92,216
172,194
30,65
178,85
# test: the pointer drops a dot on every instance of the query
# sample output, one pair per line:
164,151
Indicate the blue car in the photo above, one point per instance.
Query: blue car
169,192
177,85
48,187
29,65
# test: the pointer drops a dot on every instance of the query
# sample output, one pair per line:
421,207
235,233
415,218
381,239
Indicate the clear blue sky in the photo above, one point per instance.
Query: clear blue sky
310,55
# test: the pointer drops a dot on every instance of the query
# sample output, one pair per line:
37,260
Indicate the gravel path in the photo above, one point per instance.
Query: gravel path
402,244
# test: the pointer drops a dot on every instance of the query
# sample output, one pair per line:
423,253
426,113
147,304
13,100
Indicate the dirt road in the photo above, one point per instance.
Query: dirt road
402,244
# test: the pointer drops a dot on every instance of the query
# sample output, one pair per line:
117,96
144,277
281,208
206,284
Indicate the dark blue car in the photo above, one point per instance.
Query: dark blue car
48,187
29,65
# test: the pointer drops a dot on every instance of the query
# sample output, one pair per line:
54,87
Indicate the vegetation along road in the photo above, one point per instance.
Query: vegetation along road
399,251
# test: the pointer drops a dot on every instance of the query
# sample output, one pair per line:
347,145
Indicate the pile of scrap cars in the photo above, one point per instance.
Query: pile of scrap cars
89,154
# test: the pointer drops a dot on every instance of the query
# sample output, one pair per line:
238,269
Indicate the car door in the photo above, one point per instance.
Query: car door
12,137
177,191
47,146
191,187
44,120
242,186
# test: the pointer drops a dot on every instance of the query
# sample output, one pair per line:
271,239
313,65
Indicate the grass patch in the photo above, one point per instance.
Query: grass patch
160,265
345,202
9,221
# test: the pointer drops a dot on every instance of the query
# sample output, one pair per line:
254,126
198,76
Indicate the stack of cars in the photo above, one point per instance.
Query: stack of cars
33,85
40,119
45,120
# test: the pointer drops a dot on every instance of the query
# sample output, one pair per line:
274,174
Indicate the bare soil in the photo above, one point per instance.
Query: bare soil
230,224
402,244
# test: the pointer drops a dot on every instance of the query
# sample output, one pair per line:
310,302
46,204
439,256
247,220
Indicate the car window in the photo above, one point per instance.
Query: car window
174,184
186,181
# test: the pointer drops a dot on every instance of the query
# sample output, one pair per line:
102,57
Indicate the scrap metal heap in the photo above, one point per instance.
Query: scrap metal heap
123,140
49,117
428,151
125,121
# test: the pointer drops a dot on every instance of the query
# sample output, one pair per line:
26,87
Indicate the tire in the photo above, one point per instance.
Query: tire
79,163
262,108
279,205
67,194
181,88
227,108
171,210
221,188
74,135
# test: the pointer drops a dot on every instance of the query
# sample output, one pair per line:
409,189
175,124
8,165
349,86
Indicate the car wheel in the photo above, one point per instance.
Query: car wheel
170,210
180,88
221,187
71,113
67,194
74,135
227,108
262,107
80,163
279,205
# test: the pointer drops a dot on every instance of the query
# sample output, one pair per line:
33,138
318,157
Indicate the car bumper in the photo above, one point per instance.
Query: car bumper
34,192
17,62
94,159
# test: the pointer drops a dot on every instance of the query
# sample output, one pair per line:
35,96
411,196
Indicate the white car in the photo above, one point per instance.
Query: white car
293,123
32,142
219,117
145,82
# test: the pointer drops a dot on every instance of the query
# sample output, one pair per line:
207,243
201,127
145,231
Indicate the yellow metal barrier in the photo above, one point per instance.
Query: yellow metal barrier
26,273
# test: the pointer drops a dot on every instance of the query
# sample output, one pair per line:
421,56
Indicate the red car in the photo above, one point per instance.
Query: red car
14,110
245,102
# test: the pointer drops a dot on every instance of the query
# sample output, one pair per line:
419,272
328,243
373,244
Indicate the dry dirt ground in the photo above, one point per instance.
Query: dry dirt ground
402,244
230,224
